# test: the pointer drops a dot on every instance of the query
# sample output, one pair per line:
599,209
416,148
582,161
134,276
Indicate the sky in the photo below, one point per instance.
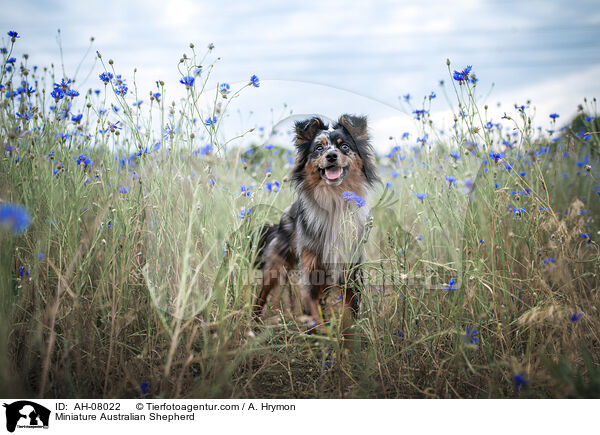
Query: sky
329,58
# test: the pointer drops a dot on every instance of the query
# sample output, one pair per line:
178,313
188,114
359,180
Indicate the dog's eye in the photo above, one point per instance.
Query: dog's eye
319,148
344,147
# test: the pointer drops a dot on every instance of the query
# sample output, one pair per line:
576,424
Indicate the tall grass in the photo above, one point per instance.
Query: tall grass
135,277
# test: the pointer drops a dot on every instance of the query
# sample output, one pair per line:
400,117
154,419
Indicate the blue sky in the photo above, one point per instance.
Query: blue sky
334,57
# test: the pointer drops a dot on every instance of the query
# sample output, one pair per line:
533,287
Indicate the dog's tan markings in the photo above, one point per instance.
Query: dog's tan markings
339,141
323,141
355,180
310,261
312,178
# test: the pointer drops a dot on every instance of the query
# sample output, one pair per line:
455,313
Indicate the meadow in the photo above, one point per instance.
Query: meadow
128,227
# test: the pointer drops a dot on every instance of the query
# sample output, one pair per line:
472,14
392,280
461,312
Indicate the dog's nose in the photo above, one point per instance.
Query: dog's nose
332,156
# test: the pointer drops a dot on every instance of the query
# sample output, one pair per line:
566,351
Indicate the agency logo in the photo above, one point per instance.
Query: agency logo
26,415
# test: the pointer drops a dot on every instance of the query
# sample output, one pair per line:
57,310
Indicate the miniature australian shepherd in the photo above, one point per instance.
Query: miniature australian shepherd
322,232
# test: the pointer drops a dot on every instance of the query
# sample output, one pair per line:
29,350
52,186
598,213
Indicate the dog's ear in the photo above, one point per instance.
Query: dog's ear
306,130
356,126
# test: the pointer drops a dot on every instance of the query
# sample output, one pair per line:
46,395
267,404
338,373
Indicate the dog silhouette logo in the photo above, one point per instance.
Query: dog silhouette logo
26,414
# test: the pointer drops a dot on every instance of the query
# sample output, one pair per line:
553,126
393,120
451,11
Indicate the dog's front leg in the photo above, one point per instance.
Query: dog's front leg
273,273
313,281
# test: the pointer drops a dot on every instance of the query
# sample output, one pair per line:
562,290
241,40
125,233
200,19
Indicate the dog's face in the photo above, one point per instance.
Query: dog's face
334,155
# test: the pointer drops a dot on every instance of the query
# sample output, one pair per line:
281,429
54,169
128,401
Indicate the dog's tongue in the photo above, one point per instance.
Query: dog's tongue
333,173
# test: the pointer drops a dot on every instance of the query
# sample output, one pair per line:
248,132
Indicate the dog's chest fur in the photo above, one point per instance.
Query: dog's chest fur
330,228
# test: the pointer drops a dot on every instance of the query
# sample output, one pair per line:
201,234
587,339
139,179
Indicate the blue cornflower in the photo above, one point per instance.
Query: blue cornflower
351,196
71,93
575,317
11,61
224,89
188,81
13,34
106,77
399,334
548,260
451,286
406,97
520,381
432,95
205,150
63,85
451,180
77,118
272,187
145,387
210,121
481,241
254,81
57,94
496,156
554,115
119,80
123,189
245,212
41,256
169,131
85,160
455,155
269,146
23,272
14,217
470,336
25,115
423,139
156,96
421,196
395,174
419,113
462,76
246,190
121,90
138,103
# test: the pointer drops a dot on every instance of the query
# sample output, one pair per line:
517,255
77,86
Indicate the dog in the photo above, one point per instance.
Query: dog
321,233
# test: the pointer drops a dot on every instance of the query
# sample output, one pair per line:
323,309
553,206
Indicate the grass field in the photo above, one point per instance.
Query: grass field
130,273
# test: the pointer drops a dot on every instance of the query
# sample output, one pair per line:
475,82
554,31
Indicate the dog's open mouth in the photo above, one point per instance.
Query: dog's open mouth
333,174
